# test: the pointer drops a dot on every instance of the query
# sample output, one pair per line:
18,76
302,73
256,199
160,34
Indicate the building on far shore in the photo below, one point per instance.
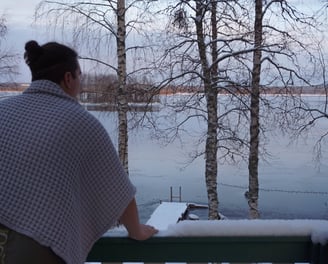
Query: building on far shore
140,93
13,87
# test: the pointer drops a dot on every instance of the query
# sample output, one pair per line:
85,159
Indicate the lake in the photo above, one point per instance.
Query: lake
291,184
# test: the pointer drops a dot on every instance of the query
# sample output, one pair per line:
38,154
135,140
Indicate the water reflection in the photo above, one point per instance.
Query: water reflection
112,107
291,186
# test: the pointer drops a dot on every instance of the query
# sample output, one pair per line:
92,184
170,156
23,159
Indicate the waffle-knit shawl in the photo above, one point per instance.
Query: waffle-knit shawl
61,181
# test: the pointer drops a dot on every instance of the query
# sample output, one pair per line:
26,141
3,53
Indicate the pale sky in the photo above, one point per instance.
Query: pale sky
19,16
18,11
19,19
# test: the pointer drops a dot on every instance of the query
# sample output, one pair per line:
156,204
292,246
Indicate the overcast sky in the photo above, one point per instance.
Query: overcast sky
19,16
19,20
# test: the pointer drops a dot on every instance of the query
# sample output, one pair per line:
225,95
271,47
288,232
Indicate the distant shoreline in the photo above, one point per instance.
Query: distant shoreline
242,90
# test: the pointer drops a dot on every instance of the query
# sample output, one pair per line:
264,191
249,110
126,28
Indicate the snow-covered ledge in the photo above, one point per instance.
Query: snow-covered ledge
317,229
166,216
278,241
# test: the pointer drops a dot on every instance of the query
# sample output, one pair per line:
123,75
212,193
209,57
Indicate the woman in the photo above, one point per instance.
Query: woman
62,184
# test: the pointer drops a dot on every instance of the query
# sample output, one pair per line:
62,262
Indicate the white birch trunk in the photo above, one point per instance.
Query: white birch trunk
122,101
253,191
211,141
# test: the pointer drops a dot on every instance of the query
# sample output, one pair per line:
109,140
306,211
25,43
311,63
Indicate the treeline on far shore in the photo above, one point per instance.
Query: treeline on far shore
229,89
238,89
13,87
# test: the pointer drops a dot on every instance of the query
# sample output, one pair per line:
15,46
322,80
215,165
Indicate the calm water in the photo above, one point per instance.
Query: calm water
292,186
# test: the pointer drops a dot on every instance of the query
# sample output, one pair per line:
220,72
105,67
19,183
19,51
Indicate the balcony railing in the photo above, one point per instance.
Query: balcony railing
274,248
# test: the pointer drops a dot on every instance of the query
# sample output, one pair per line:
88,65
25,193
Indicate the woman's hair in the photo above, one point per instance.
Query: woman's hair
50,61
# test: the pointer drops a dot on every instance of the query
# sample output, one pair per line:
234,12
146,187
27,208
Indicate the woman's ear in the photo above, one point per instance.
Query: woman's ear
71,83
68,80
66,83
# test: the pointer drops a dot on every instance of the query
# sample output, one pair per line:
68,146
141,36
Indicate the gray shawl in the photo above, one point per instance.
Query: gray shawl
61,181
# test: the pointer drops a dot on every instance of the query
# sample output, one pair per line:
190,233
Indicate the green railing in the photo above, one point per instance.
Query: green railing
232,241
241,249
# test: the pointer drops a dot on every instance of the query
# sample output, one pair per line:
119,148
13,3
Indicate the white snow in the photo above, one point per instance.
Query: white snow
167,213
165,219
320,235
317,229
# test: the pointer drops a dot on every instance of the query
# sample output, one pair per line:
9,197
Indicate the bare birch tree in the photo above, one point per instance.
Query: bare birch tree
8,59
253,191
211,94
281,49
121,72
204,47
282,55
99,28
316,114
275,35
207,46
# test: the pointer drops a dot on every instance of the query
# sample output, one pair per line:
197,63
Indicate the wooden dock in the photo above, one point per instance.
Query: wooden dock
167,213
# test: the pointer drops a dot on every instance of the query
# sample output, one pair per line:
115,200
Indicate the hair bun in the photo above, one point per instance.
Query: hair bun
32,52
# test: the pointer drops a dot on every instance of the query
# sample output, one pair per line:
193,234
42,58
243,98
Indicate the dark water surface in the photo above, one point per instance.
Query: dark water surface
291,184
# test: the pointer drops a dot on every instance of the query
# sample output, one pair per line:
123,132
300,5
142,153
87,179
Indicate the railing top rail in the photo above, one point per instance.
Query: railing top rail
206,249
278,241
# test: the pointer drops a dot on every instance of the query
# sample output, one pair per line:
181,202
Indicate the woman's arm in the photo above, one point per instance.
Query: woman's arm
130,219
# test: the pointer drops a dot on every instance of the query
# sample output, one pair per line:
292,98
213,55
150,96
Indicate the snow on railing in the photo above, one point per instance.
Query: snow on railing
316,229
229,241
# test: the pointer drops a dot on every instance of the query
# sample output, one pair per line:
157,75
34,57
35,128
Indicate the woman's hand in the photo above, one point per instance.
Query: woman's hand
136,230
144,232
